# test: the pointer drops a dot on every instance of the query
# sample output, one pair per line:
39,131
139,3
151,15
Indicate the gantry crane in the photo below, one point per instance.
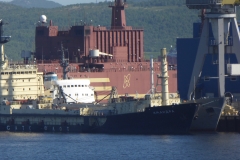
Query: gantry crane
220,16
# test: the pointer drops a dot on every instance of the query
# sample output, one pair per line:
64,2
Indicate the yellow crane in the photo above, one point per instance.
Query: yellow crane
233,2
205,4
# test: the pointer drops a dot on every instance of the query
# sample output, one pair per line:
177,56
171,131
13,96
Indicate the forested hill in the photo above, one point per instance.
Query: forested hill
162,22
35,3
157,2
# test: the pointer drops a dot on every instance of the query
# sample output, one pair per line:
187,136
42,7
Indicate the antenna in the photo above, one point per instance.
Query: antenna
64,62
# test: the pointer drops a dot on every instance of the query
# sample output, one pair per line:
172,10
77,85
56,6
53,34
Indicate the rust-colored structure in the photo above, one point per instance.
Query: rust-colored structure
123,42
117,58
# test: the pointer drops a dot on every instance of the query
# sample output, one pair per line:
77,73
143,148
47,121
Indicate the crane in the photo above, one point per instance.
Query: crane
230,2
220,18
208,4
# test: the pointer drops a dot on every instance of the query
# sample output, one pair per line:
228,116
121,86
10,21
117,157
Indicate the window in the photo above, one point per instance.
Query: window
72,85
64,86
87,32
68,86
79,85
75,85
233,79
40,32
206,79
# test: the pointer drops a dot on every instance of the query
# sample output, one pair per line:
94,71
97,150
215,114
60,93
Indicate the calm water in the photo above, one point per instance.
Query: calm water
44,146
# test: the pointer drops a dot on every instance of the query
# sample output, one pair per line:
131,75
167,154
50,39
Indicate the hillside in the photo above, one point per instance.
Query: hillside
35,3
162,24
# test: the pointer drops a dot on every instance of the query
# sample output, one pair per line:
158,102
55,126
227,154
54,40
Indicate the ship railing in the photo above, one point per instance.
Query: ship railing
83,61
27,102
203,4
19,65
99,28
47,61
105,70
23,67
44,101
119,70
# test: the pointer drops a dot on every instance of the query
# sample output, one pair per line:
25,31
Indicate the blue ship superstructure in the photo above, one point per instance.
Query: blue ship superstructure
203,59
187,50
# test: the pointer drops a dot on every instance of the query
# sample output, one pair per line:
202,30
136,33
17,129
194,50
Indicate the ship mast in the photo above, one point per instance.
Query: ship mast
118,14
3,40
151,74
64,62
164,77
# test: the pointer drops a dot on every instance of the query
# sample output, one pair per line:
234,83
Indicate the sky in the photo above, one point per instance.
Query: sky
66,2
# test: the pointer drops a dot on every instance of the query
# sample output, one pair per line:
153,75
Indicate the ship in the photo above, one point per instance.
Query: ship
124,115
108,56
156,113
212,56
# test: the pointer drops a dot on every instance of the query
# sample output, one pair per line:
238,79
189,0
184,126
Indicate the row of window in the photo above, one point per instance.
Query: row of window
231,79
22,80
82,94
16,97
24,89
69,86
26,72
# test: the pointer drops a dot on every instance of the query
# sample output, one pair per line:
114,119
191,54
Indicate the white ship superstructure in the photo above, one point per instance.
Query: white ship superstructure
18,81
21,82
73,91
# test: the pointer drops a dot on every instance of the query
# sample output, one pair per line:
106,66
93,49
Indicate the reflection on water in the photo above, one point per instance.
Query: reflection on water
103,146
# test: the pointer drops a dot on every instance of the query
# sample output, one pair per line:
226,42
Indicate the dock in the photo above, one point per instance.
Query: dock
229,124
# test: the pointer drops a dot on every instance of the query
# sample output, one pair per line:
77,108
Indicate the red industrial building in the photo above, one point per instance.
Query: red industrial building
123,42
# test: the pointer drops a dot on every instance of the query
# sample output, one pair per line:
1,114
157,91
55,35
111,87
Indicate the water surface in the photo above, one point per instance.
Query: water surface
43,146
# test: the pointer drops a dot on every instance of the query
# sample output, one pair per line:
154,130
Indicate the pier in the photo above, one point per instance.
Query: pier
229,124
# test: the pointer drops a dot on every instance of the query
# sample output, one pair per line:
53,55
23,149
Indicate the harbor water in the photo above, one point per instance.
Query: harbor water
43,146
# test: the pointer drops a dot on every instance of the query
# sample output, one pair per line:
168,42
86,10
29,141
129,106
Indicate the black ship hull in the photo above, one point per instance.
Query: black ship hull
175,119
